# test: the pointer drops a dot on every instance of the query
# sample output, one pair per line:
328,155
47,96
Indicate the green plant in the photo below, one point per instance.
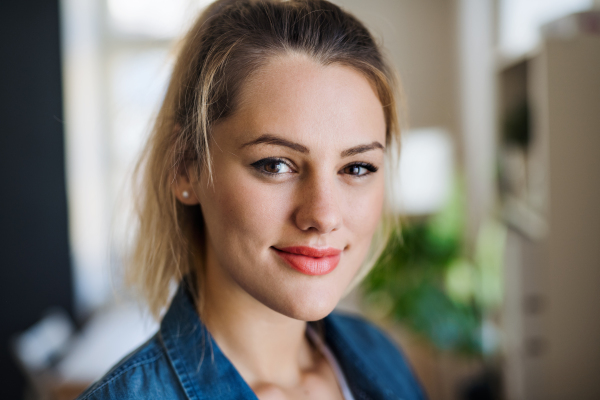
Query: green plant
425,281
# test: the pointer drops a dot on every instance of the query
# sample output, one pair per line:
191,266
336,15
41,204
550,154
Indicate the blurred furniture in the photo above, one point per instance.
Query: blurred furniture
61,363
550,186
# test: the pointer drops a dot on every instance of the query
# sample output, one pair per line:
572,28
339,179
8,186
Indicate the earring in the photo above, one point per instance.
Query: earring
185,194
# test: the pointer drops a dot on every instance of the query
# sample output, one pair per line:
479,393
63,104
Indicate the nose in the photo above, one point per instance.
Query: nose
318,206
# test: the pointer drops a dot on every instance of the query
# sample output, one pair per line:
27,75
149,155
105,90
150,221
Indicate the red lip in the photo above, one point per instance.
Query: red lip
310,260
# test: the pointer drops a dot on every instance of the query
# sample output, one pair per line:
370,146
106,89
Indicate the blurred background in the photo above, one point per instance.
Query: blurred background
493,285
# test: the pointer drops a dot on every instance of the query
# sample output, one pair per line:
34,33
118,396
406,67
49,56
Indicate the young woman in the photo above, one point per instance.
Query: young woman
262,197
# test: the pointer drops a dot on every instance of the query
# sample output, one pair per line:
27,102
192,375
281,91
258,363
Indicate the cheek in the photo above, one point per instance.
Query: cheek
241,213
363,212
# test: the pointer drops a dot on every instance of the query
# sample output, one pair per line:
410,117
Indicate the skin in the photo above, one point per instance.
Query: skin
316,193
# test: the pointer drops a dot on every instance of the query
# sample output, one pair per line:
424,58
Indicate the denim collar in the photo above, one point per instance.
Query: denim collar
205,372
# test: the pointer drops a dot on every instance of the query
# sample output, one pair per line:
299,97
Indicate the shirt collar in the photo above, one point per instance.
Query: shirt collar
199,362
196,358
352,355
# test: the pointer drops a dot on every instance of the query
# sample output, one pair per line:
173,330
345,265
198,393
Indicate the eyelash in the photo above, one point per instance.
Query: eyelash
368,166
260,164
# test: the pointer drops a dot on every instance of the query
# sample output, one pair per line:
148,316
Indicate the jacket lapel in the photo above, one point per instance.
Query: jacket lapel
367,377
203,370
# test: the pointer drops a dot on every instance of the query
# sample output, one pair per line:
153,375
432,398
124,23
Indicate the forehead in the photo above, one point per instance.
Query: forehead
294,96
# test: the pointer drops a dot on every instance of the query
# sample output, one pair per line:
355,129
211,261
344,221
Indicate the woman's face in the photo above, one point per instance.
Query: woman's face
298,186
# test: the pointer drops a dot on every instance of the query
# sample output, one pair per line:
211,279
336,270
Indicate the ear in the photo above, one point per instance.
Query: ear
183,189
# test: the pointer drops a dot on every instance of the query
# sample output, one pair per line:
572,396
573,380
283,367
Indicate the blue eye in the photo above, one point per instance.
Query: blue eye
272,166
359,169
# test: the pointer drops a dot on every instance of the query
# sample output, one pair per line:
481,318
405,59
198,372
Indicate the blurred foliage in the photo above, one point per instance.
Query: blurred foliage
424,279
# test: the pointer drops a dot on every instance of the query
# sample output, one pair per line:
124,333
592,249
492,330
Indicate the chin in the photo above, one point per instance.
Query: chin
314,298
308,306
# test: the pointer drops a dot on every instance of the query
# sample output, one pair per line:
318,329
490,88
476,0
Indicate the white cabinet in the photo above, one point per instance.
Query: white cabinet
552,309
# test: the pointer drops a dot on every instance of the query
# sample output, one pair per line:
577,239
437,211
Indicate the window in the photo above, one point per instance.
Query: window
521,20
117,57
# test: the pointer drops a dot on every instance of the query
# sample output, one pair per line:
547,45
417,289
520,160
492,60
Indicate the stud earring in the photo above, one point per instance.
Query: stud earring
185,194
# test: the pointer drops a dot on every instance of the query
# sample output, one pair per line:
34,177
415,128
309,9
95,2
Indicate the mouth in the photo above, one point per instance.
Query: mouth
310,260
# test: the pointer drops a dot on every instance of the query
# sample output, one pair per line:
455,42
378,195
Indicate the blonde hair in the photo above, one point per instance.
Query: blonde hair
227,43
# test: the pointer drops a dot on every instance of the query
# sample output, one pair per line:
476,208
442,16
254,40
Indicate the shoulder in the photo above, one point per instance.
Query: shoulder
374,352
146,373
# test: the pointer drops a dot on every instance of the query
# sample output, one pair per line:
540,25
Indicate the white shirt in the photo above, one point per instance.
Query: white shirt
341,379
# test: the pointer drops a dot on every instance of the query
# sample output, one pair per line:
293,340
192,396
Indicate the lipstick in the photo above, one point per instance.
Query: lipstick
310,260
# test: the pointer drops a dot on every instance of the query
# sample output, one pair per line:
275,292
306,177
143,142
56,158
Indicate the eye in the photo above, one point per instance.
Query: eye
359,169
272,166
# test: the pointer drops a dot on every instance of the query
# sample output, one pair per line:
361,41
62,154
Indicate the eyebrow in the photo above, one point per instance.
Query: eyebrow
363,148
277,141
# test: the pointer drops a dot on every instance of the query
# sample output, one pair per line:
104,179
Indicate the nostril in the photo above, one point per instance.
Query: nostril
319,218
318,206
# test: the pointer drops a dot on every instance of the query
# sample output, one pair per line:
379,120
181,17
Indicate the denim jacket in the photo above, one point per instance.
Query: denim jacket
182,361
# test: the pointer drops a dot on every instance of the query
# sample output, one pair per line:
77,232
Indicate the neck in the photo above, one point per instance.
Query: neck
263,345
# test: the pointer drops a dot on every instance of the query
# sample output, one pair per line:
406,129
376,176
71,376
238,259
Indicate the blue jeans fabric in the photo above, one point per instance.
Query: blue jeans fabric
182,361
